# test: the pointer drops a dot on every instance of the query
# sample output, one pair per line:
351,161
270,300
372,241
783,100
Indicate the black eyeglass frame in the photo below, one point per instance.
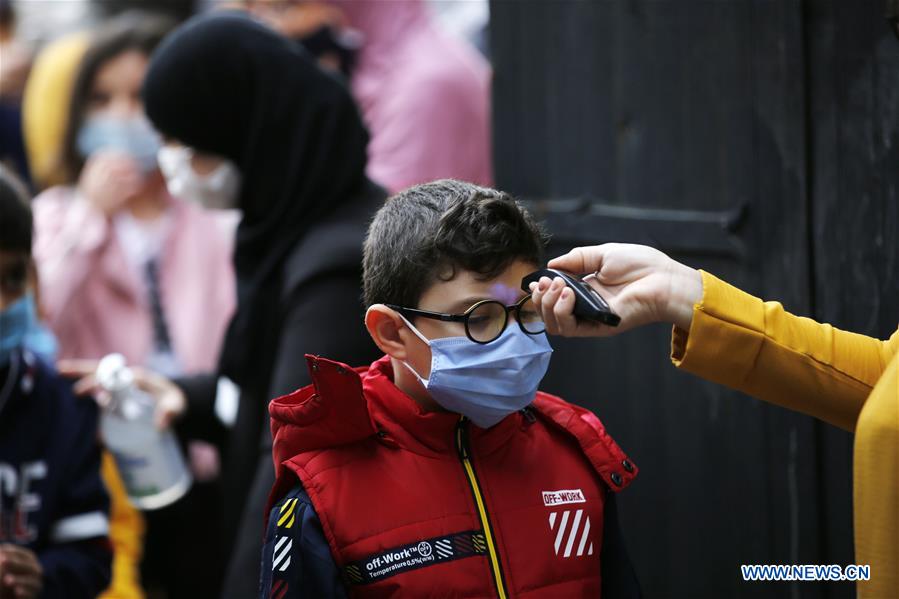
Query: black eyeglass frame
463,317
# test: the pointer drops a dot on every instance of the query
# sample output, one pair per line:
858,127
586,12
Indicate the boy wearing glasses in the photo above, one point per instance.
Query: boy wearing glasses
440,469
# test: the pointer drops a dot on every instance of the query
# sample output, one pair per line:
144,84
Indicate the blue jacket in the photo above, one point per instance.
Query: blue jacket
52,499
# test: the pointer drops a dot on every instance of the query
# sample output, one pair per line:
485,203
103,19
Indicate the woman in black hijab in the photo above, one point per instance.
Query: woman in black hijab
254,124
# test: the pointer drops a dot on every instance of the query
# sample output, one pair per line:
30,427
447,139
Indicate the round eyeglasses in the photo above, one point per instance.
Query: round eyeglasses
486,320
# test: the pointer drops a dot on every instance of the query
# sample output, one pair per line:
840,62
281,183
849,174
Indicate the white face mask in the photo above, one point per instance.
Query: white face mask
218,189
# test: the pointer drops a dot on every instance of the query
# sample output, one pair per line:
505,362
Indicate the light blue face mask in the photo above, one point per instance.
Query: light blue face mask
486,381
133,136
20,328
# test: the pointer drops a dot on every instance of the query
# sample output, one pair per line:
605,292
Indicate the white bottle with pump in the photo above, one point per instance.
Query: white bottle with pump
149,460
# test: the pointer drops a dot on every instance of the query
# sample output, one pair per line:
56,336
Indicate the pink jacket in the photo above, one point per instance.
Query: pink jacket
424,95
96,303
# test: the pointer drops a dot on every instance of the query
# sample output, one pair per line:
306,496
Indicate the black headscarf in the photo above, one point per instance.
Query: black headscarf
228,85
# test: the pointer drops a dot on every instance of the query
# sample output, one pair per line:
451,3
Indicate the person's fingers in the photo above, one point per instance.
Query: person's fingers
579,260
105,165
86,386
20,553
550,297
85,372
19,561
76,369
11,558
127,171
556,305
170,400
101,396
113,157
109,178
563,312
11,564
538,291
205,462
148,380
165,414
121,184
116,167
27,587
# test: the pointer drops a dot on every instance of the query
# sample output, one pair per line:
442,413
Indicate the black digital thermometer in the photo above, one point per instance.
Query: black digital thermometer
588,304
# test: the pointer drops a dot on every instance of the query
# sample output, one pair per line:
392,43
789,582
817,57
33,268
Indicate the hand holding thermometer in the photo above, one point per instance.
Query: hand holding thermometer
588,304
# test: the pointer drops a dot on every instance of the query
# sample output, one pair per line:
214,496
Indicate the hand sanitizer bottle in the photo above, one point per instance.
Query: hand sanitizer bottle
149,460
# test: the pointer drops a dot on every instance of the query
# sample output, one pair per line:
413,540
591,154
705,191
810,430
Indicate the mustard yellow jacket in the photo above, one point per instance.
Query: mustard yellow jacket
126,533
848,380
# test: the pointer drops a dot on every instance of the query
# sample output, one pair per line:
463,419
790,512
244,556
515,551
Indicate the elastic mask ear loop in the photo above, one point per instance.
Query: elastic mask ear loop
408,324
427,342
416,331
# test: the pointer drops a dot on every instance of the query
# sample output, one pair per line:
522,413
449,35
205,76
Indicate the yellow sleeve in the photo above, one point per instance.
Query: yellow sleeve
875,470
758,348
126,533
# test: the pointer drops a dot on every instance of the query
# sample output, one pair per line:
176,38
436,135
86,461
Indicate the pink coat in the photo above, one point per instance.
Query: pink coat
97,303
424,95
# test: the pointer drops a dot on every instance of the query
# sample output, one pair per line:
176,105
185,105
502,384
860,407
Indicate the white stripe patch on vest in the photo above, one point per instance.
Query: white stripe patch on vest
281,554
573,539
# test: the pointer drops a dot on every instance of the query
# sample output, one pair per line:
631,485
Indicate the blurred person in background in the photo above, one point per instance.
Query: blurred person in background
126,267
53,505
15,63
252,123
424,94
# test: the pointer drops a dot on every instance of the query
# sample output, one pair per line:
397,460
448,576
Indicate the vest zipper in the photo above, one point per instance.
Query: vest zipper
463,448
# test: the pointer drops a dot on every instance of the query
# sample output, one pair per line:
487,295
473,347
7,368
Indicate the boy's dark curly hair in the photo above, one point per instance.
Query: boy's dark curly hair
427,232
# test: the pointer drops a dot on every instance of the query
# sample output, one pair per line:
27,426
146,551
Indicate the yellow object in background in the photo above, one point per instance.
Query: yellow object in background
126,533
45,105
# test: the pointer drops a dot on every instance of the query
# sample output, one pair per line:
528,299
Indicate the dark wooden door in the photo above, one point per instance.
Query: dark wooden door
757,140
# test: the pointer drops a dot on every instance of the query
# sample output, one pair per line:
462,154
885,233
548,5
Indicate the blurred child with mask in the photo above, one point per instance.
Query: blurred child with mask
125,266
53,505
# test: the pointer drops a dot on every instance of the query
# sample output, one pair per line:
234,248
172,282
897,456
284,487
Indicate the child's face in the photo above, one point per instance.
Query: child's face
116,88
455,297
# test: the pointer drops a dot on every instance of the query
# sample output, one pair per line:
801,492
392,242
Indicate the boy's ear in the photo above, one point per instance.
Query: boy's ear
384,326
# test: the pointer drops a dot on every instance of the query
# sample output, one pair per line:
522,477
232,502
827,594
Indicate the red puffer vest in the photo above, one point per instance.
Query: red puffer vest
427,504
